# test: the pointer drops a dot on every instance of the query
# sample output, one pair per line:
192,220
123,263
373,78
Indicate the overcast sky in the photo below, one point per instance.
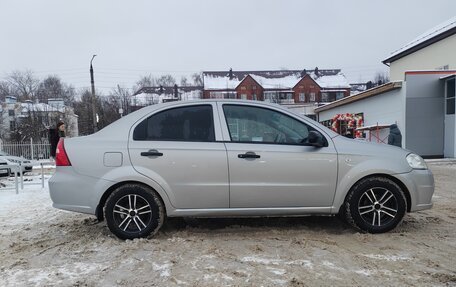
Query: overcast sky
134,38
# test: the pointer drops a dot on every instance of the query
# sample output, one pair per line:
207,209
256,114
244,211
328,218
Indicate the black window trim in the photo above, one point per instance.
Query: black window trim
173,108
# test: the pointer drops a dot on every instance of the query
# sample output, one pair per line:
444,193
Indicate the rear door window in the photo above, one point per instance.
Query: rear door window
191,123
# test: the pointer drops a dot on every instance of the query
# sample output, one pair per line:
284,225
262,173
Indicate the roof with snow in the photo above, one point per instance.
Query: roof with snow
168,89
357,97
280,79
153,95
40,107
431,36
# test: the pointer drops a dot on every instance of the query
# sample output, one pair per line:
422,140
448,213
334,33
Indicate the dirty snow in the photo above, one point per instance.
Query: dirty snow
43,246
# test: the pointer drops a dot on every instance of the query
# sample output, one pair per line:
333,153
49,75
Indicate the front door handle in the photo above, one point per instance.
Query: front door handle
249,154
151,152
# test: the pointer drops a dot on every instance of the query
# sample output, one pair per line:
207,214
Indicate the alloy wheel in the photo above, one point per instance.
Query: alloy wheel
378,206
132,213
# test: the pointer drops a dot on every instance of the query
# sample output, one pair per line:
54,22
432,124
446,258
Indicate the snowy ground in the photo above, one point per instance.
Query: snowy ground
42,246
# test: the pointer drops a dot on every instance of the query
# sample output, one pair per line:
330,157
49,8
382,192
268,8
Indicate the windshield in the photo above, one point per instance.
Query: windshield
3,153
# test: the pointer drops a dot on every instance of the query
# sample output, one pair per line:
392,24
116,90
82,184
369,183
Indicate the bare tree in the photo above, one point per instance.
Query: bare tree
166,80
53,87
109,111
83,108
381,78
197,79
122,97
184,82
5,90
23,84
144,81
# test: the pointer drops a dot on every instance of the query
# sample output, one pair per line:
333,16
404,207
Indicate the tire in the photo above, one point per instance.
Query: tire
134,211
375,205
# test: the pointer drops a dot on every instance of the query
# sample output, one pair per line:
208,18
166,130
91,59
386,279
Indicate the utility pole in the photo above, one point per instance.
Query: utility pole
94,110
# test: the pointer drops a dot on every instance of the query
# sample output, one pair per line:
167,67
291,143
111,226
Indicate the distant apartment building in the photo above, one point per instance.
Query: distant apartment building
279,86
44,116
300,90
161,94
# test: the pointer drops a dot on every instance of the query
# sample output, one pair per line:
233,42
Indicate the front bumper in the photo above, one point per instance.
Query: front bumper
420,184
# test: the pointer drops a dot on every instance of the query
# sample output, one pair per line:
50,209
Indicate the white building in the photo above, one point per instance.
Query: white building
432,50
420,100
13,113
154,95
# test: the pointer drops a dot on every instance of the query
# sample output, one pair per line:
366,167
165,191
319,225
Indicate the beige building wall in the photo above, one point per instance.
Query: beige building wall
432,57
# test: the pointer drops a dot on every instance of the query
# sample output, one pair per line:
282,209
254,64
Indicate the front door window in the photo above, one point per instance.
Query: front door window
252,124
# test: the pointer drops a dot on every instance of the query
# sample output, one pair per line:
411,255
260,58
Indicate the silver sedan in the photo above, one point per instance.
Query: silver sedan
217,158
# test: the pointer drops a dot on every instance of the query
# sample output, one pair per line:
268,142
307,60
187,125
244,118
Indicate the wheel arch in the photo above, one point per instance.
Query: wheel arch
99,209
388,176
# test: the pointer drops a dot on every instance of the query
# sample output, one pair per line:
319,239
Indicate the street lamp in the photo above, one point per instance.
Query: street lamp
94,111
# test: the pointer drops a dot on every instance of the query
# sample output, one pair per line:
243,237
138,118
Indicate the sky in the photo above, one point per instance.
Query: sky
180,37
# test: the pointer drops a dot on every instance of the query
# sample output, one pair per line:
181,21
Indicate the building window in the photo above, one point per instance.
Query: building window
230,96
450,97
254,97
324,97
11,113
253,87
272,97
339,95
243,96
222,95
242,88
312,97
302,97
12,125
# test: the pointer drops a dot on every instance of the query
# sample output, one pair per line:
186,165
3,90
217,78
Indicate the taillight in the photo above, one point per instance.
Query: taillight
61,157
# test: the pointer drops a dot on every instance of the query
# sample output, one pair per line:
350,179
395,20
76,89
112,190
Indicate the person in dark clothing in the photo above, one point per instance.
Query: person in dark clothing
61,129
55,135
395,136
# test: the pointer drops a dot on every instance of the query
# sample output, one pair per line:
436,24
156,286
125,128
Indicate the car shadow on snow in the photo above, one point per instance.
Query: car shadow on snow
330,225
327,224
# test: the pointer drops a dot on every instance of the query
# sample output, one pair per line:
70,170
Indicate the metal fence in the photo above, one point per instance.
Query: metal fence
30,150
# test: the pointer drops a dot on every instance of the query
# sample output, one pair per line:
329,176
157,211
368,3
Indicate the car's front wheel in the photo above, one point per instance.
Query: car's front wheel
134,211
375,205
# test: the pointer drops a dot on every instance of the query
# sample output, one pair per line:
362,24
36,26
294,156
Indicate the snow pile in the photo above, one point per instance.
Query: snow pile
220,83
331,82
286,82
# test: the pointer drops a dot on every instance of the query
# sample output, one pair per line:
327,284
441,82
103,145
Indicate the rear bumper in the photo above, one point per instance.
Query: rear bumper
75,192
420,184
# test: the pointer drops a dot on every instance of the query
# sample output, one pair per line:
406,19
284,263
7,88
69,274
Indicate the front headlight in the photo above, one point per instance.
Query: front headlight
416,162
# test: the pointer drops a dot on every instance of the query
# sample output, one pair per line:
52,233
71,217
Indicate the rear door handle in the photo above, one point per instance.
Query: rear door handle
249,154
151,152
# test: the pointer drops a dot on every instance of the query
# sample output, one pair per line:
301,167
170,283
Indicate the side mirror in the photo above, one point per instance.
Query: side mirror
315,139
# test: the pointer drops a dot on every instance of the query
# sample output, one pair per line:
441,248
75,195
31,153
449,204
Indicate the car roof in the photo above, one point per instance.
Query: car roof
126,122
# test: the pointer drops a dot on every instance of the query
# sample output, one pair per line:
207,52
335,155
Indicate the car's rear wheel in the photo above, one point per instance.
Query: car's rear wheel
134,211
375,205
